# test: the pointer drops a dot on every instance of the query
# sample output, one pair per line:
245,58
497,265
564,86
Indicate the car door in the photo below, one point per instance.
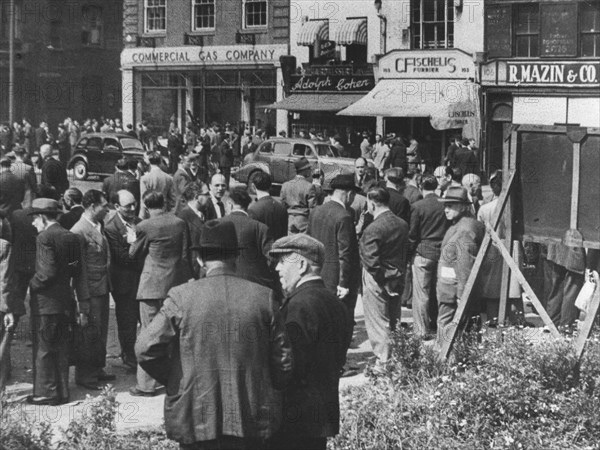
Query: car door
94,154
282,162
111,153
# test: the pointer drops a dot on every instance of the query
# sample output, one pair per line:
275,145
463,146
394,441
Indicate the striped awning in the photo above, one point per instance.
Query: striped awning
313,30
352,32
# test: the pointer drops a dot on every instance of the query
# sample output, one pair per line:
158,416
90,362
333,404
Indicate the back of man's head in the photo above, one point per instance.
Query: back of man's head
395,175
73,196
45,150
154,158
47,191
429,183
239,196
122,164
457,175
154,200
379,196
262,181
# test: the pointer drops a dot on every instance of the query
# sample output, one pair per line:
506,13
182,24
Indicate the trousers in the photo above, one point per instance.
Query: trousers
382,312
98,317
127,312
424,308
148,310
50,342
561,287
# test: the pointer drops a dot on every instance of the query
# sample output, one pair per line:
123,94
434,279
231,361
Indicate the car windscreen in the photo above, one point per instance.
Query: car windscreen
327,150
132,143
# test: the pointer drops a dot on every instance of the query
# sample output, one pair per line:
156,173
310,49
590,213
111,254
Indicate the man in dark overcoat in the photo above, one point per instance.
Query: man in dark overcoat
266,209
59,259
458,252
121,179
333,225
12,191
54,172
317,327
161,242
383,249
124,272
72,201
220,347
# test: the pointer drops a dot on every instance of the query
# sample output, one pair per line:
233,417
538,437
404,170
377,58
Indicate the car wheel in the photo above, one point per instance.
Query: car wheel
80,170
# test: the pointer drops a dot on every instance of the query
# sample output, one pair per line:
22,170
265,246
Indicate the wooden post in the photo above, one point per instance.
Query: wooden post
466,296
586,328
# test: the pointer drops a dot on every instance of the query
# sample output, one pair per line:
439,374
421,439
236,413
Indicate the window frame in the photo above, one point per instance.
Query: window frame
447,42
87,27
516,34
199,3
18,16
156,31
581,33
245,26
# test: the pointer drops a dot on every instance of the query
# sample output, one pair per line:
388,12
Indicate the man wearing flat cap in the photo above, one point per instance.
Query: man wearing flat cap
59,259
299,196
459,250
220,347
333,225
316,324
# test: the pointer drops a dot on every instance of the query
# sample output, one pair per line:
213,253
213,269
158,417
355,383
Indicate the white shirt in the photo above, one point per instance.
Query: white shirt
97,226
216,201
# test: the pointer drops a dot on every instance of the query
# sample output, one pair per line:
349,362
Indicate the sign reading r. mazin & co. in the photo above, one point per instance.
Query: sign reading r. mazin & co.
554,73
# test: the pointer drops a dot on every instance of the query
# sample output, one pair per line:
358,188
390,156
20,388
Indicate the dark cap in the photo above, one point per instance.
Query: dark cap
218,241
456,194
302,164
302,244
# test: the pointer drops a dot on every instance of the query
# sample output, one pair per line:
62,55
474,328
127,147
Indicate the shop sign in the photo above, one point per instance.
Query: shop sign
554,73
401,64
200,56
331,83
338,70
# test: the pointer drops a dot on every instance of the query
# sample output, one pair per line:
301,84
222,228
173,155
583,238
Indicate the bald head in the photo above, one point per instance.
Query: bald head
125,197
218,185
45,150
126,204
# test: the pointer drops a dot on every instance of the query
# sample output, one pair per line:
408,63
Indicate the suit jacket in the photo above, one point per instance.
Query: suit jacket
428,225
24,238
157,180
97,257
272,213
163,246
316,323
195,346
54,174
12,192
26,175
41,137
118,181
181,180
298,196
333,225
466,161
383,249
71,217
459,250
255,241
411,193
399,204
225,155
124,271
194,226
50,286
8,302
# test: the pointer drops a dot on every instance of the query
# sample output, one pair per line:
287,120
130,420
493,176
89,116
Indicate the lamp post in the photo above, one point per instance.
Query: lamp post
11,61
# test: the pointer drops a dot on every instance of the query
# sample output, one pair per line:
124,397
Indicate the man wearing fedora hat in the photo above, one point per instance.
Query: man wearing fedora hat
298,196
315,320
459,250
333,224
220,347
59,259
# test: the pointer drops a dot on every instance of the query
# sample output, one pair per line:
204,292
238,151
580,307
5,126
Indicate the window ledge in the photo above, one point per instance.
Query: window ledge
207,32
257,30
153,34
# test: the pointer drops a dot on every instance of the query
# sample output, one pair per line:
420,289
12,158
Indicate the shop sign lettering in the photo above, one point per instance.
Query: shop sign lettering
554,73
240,54
331,83
403,64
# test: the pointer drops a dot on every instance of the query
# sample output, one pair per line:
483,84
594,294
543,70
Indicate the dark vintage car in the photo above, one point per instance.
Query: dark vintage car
278,155
98,153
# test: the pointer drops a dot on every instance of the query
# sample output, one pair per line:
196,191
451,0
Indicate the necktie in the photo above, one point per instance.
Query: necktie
221,208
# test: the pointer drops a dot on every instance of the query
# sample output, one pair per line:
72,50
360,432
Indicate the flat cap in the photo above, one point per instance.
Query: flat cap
302,244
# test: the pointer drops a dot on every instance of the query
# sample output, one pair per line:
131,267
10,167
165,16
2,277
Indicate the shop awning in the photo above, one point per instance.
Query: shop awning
352,32
316,102
313,30
448,103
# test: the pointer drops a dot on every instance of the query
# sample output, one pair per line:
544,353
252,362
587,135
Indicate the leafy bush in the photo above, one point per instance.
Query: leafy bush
18,431
501,391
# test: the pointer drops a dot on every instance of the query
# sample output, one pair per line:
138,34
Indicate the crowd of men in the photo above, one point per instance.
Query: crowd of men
244,302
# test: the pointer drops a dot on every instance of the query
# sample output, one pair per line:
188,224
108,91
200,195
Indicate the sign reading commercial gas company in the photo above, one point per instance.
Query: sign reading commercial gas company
426,64
552,73
332,83
217,55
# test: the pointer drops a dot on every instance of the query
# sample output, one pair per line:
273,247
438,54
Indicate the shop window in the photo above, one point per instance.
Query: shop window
432,24
255,13
91,33
156,16
204,15
527,30
590,28
5,16
356,54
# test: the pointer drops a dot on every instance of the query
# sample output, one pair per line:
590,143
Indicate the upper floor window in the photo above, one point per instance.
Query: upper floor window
590,29
6,15
91,33
204,14
156,15
527,30
432,24
255,13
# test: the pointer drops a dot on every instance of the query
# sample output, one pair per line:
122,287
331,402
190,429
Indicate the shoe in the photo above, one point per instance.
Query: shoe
130,363
106,376
91,386
46,401
137,393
